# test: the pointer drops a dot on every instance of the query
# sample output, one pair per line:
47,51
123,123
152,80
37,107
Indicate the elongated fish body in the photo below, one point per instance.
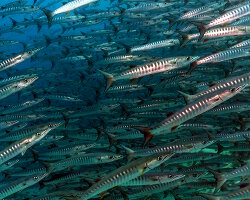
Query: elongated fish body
148,7
238,194
19,58
226,18
152,189
242,44
15,4
20,184
18,10
225,55
68,150
155,45
118,59
19,107
150,68
72,5
8,165
221,85
61,98
223,109
29,172
7,124
235,136
16,78
153,179
126,88
14,136
85,159
238,172
222,32
230,16
195,108
125,174
19,147
200,10
21,117
242,21
7,90
175,147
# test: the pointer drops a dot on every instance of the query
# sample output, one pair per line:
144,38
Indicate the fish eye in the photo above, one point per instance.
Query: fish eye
29,52
38,134
232,90
188,58
111,157
35,177
160,158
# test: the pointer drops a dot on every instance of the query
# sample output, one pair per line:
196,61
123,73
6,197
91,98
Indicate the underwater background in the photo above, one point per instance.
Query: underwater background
124,99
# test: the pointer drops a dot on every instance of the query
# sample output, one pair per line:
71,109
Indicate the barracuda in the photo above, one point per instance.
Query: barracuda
7,90
21,146
220,85
72,5
125,174
217,33
19,58
190,111
226,18
228,54
19,107
163,65
20,184
155,45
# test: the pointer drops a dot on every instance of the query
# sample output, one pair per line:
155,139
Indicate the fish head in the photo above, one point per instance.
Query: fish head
227,94
27,81
156,160
31,52
36,178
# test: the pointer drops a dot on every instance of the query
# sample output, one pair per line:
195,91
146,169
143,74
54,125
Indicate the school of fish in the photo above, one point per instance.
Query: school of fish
124,99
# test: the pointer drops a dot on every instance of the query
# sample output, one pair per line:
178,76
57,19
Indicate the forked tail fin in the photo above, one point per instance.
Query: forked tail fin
109,79
49,16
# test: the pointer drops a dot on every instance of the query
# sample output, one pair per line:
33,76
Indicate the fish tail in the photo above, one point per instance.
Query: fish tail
187,97
66,119
99,134
202,29
109,79
49,16
34,154
171,21
184,40
47,40
193,65
220,148
146,132
220,178
111,138
49,166
129,152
